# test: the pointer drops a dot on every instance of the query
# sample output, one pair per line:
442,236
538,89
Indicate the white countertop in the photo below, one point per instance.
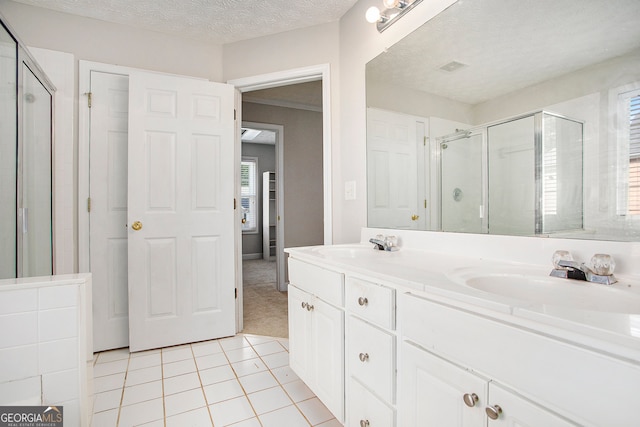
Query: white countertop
42,281
440,277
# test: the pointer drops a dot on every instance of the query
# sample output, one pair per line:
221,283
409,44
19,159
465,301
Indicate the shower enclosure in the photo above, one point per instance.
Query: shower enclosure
521,176
26,104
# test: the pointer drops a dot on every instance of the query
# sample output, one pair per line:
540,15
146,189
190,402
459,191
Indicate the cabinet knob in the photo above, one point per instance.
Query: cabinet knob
493,412
470,399
364,357
363,301
309,307
304,305
364,423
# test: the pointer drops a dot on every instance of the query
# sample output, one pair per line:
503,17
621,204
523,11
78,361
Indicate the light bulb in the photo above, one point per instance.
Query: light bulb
390,4
373,15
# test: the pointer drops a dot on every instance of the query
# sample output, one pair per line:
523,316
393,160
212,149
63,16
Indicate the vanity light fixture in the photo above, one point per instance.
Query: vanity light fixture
393,10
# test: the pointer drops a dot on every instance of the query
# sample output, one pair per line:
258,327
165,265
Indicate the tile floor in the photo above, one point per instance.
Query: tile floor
243,381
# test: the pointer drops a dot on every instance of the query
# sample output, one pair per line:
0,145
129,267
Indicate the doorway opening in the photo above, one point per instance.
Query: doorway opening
291,195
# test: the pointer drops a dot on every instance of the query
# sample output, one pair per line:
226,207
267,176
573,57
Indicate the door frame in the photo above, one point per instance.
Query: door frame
282,78
279,147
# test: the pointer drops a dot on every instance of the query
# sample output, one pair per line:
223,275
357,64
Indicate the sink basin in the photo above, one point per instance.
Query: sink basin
535,287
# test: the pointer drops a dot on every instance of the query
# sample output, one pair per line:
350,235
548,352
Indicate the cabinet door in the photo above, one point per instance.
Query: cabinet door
327,333
518,411
300,354
431,392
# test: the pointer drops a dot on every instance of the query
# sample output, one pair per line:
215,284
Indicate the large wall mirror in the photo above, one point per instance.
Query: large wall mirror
508,117
26,104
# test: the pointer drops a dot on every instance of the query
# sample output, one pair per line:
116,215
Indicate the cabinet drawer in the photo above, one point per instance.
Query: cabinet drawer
371,357
364,406
325,284
372,302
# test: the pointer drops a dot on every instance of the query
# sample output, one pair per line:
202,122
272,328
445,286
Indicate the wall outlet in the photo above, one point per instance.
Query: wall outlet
350,190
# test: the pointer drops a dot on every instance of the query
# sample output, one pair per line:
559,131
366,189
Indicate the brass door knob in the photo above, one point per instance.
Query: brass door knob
137,226
244,220
415,217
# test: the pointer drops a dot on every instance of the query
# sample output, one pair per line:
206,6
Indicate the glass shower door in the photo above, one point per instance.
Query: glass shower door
462,206
35,213
8,152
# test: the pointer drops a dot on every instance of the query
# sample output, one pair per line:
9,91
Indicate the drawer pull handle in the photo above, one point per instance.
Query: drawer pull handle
364,423
309,307
364,357
304,305
493,412
470,399
363,301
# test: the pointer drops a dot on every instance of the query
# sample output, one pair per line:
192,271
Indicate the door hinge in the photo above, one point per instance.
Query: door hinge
236,292
425,203
425,139
88,204
235,204
234,114
89,95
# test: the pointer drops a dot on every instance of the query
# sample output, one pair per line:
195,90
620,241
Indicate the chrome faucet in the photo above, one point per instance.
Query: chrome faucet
382,243
570,269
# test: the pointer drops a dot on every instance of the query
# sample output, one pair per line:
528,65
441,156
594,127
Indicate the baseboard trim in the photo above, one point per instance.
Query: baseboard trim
251,256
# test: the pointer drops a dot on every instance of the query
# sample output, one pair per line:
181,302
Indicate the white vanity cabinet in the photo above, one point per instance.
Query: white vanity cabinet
316,331
435,392
536,380
370,355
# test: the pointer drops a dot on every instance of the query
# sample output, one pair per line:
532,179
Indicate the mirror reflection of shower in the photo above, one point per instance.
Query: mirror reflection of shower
520,176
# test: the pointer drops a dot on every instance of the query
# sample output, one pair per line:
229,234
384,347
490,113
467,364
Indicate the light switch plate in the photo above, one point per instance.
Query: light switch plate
350,190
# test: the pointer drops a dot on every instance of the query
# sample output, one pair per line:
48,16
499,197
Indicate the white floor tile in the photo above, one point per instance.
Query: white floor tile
178,368
225,390
258,339
145,375
252,422
298,391
232,411
110,368
268,348
233,343
276,360
331,423
240,354
181,383
206,347
145,353
215,375
285,375
112,355
288,416
196,418
109,382
257,382
248,367
107,400
315,411
175,354
156,423
269,400
142,392
140,413
211,360
284,342
105,419
184,402
145,361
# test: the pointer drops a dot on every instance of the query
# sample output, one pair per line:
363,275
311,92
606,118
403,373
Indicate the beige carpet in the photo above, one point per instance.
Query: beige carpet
265,309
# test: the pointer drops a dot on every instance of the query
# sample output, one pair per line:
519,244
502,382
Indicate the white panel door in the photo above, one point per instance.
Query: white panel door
181,190
392,169
108,215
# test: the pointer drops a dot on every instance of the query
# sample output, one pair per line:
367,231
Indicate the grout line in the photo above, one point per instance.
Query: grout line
164,406
123,387
206,402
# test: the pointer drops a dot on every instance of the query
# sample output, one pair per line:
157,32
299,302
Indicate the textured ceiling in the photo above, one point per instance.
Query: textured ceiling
507,45
217,21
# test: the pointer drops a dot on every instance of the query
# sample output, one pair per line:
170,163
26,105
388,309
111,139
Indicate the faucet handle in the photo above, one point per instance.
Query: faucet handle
560,256
603,264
